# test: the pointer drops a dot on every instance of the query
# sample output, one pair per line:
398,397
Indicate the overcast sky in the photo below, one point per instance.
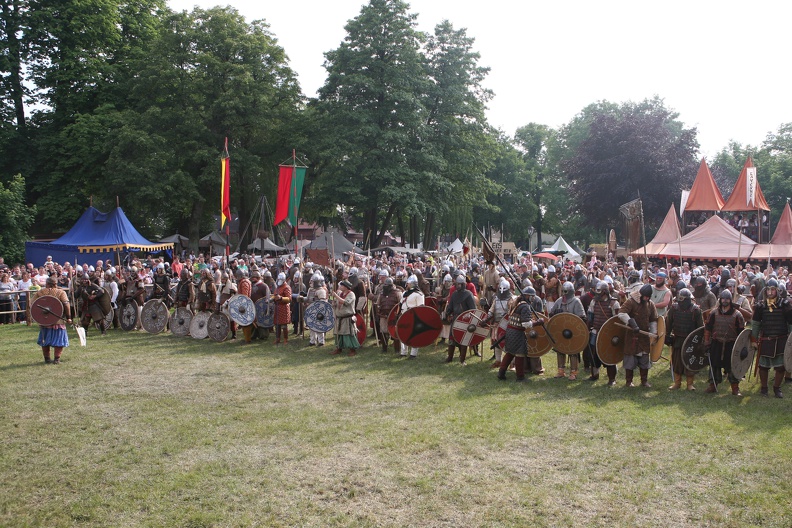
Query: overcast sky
721,65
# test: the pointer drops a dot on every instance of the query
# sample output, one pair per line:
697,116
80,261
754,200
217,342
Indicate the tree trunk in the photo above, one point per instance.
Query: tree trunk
377,241
401,230
428,228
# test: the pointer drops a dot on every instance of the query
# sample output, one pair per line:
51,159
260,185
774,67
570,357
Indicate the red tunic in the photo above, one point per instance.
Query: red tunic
282,306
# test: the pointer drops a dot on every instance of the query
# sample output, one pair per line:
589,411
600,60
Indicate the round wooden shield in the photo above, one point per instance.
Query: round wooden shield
180,322
46,310
319,316
656,349
788,355
241,310
199,326
265,313
218,327
740,367
154,316
419,327
470,328
694,354
537,342
393,318
360,324
129,315
431,302
569,332
610,341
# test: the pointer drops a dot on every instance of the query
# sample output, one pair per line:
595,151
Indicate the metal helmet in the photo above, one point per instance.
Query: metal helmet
700,282
731,283
281,278
460,279
388,282
696,272
634,275
412,280
551,269
503,286
568,288
684,294
772,283
680,285
447,278
646,290
725,294
602,287
529,291
383,273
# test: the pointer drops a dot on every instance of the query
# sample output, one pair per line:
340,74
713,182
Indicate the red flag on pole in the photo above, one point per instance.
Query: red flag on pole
284,190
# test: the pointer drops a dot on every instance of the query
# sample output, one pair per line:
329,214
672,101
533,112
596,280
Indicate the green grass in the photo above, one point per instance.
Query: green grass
150,431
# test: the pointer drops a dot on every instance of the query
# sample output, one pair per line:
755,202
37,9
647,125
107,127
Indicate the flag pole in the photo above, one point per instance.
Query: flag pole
222,213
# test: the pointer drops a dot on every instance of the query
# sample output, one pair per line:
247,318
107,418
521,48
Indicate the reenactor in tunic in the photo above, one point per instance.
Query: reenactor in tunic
552,288
258,290
520,319
388,297
206,291
684,316
460,300
185,290
92,295
54,336
568,303
639,313
345,329
442,292
704,298
601,308
411,298
282,299
770,326
316,292
499,308
723,326
661,295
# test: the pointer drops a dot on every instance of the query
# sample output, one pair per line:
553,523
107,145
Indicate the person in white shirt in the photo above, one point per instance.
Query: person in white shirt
410,299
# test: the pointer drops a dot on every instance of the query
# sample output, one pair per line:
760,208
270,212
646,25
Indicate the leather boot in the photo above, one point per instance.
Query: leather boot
763,375
611,370
561,373
690,380
645,379
396,347
628,378
47,358
735,387
450,357
677,382
384,346
462,355
594,374
779,379
573,375
712,388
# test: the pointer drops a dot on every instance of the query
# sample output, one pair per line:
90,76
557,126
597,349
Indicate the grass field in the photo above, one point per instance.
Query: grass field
142,430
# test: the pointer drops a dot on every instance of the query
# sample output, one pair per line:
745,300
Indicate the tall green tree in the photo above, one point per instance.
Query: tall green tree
15,219
459,148
370,110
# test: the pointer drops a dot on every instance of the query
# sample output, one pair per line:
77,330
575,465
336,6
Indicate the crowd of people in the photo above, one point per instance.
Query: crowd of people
723,299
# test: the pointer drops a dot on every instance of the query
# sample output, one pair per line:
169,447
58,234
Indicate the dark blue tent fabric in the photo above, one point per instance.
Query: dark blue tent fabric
95,235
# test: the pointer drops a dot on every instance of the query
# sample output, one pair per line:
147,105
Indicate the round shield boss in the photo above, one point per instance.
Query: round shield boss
199,326
360,325
610,341
241,310
742,347
154,316
129,315
694,353
319,316
569,333
419,326
393,318
265,313
470,328
47,310
218,327
180,322
537,342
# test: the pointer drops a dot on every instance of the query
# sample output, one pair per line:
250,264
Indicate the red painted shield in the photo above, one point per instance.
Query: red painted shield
393,317
47,310
470,328
431,302
500,331
419,327
360,324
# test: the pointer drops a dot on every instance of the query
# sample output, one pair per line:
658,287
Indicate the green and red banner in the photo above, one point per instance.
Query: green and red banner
290,185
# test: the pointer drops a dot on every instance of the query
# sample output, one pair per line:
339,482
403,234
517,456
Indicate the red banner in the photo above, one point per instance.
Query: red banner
284,189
